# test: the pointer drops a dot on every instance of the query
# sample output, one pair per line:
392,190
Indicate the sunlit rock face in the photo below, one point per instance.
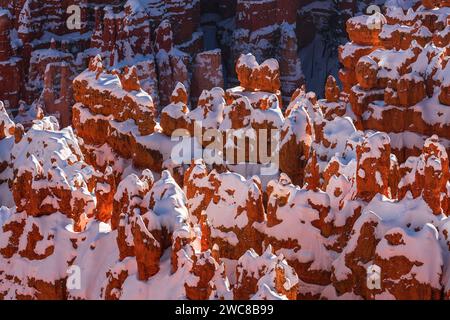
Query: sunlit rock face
168,42
123,176
44,47
395,70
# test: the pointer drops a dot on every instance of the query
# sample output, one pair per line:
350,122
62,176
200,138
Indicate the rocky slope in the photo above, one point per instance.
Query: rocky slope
258,191
44,46
395,74
42,52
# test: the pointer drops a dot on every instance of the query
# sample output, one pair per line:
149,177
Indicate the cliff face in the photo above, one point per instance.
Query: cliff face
340,206
43,48
10,67
268,29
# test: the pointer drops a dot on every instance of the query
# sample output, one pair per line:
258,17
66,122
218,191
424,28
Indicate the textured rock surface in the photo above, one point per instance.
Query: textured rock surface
393,71
207,73
222,236
134,32
40,57
10,67
355,205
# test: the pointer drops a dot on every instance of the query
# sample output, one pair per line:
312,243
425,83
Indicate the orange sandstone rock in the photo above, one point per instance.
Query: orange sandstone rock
373,166
331,90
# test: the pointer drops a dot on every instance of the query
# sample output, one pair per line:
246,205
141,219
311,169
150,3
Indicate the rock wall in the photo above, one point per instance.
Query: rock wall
394,68
123,33
356,207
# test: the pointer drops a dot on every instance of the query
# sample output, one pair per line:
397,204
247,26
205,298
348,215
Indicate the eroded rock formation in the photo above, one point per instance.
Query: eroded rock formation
348,201
394,71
